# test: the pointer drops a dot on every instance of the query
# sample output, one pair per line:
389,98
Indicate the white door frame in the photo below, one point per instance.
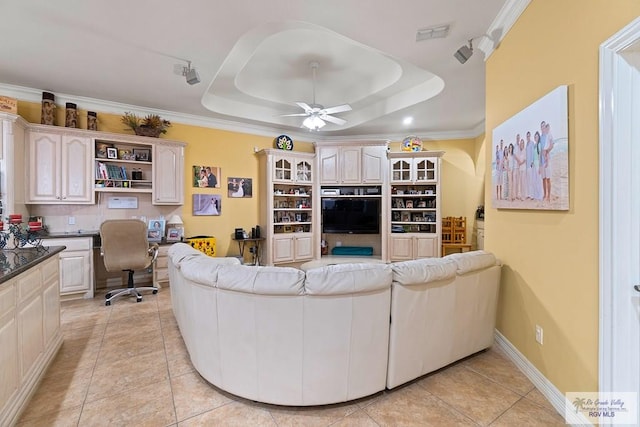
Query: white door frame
619,216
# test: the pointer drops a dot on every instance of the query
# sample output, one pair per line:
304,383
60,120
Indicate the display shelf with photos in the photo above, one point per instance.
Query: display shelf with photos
122,167
287,217
414,205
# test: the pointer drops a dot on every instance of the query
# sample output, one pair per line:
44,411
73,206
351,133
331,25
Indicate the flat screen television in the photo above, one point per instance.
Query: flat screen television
351,215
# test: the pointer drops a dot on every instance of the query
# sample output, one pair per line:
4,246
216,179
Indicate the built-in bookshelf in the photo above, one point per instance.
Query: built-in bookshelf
122,167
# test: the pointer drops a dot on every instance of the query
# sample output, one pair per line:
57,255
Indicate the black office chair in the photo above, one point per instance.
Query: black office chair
125,248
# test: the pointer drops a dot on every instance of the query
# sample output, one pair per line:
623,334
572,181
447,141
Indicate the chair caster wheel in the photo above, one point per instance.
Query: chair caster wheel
155,291
138,299
107,303
108,295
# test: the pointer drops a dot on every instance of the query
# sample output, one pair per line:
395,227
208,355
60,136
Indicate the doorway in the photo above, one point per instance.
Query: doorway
619,228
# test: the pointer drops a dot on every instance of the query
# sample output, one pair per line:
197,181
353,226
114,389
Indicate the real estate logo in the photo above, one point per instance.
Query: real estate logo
601,408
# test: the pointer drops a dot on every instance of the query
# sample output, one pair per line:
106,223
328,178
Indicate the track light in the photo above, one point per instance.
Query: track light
465,52
190,74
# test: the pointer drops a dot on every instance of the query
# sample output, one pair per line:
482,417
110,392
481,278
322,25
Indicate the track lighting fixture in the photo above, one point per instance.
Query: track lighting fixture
465,52
190,74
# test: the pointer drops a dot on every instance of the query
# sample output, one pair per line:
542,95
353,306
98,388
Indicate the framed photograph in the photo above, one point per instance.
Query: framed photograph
406,217
422,204
207,205
112,153
399,203
240,187
287,229
142,154
124,154
174,233
396,216
409,204
155,231
206,176
530,156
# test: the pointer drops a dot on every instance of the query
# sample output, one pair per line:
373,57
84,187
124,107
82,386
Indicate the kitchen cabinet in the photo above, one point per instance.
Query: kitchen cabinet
168,174
75,266
60,168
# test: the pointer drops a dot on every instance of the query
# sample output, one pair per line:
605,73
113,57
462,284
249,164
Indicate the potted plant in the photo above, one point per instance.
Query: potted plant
150,125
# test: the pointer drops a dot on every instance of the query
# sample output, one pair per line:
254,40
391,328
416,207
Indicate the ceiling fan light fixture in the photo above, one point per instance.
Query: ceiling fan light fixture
313,122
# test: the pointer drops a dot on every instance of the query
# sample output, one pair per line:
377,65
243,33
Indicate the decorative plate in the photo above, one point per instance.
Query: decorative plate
412,143
283,142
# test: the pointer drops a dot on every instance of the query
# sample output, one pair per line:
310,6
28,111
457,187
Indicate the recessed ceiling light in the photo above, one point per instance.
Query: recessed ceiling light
407,120
437,32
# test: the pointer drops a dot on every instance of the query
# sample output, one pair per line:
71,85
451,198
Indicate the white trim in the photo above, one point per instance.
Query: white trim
548,390
507,16
101,106
618,368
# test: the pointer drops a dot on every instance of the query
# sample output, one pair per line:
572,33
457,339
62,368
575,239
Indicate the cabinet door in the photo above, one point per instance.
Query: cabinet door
168,175
283,169
76,170
303,248
426,247
303,171
373,161
425,170
282,249
44,165
329,165
350,163
75,271
8,343
30,338
401,247
401,170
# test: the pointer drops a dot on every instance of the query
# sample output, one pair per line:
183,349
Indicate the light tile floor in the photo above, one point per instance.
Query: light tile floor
127,365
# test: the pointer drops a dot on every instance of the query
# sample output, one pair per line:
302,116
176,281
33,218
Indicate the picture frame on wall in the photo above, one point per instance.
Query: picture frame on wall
207,176
530,156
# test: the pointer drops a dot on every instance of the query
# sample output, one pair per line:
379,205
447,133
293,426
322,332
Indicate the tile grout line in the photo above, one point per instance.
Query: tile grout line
166,361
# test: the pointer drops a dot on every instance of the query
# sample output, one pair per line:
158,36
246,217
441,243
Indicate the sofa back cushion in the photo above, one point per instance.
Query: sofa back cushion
423,271
262,280
204,269
467,262
343,279
179,252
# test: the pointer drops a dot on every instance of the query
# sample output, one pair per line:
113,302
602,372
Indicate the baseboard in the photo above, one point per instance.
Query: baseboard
548,390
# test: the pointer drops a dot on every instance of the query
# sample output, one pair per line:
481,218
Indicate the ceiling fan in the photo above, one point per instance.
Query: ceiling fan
316,114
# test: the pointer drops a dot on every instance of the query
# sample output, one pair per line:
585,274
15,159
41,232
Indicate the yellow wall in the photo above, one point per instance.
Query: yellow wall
550,273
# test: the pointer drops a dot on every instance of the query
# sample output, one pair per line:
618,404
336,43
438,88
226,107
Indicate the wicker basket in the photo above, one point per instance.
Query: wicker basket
147,131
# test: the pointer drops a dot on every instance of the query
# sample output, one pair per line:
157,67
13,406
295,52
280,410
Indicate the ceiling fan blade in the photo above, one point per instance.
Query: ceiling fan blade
337,109
336,120
294,115
304,106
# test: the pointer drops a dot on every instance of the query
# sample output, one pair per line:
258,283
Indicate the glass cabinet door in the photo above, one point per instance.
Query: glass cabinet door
401,170
303,171
282,170
425,170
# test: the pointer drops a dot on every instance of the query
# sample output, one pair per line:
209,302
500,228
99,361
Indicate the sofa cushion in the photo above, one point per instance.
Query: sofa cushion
423,271
347,279
204,269
262,280
472,261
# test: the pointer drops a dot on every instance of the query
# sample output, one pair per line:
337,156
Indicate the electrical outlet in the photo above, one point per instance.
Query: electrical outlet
72,220
539,334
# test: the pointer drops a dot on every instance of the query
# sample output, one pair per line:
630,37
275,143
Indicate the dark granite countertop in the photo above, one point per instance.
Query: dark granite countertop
16,261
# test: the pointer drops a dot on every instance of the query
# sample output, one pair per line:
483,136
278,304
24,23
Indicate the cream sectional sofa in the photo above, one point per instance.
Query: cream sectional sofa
284,336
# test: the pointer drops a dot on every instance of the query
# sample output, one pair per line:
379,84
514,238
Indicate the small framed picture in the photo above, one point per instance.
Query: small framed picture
399,203
422,204
142,154
409,204
174,233
155,231
112,153
287,229
406,217
125,154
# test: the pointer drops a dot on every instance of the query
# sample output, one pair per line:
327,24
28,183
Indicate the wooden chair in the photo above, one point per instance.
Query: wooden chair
456,230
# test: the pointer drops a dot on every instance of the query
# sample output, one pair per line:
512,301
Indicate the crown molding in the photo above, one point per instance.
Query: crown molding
504,20
101,106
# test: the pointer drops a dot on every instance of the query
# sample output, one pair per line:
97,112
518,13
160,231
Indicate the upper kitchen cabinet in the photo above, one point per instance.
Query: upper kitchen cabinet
60,167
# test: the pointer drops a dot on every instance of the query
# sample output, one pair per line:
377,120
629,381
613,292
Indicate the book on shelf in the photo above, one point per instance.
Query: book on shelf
108,171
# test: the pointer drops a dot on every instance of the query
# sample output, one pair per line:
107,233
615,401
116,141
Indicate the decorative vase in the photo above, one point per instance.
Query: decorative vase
92,120
48,109
71,115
